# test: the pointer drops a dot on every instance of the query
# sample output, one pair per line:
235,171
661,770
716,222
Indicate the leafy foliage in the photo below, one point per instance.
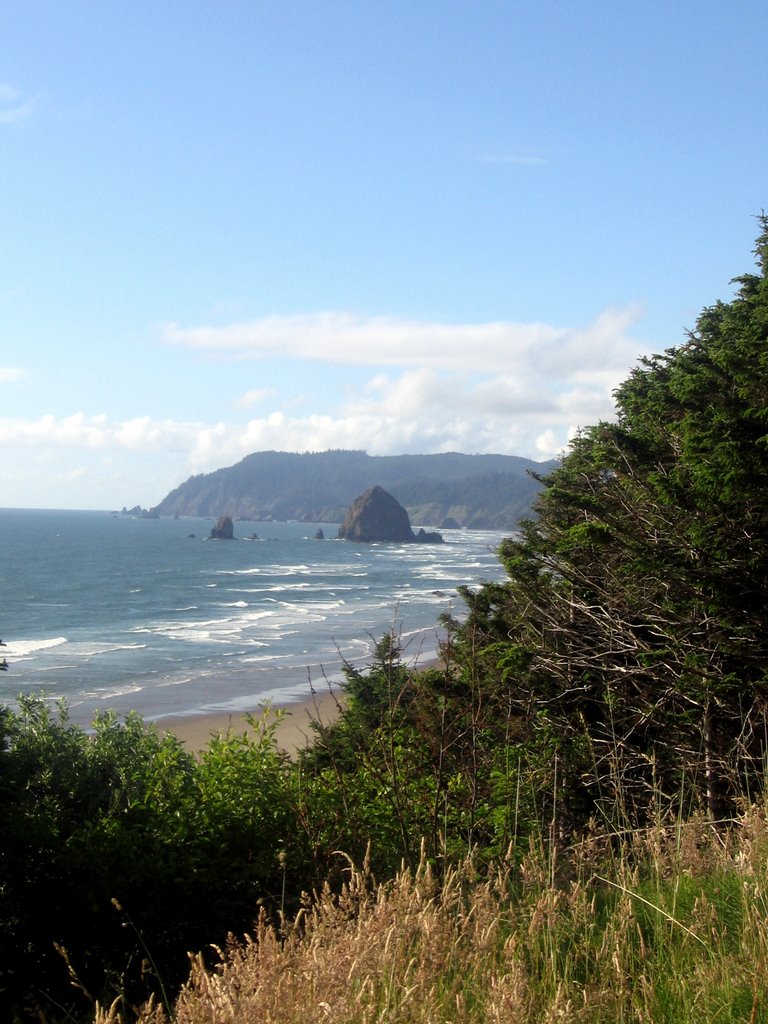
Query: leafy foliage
120,852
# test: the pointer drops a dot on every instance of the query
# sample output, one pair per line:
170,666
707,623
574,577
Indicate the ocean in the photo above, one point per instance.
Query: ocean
109,611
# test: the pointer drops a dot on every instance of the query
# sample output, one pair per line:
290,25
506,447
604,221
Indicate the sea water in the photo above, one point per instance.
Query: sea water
108,611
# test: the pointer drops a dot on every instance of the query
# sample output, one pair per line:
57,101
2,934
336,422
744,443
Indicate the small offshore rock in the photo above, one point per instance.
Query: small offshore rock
224,529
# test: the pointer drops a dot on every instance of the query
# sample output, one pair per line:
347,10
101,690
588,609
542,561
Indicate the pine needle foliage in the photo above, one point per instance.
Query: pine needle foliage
632,628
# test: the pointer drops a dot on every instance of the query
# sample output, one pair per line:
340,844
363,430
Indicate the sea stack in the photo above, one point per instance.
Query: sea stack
377,516
224,529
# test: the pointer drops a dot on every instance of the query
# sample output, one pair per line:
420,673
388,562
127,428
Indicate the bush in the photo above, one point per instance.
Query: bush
121,852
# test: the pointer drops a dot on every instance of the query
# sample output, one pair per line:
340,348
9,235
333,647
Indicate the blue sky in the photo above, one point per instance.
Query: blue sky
406,227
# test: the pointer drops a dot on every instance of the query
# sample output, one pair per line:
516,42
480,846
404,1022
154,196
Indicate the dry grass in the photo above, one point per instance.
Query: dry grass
673,927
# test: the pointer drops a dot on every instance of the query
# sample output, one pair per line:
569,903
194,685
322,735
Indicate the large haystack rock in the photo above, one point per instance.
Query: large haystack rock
377,516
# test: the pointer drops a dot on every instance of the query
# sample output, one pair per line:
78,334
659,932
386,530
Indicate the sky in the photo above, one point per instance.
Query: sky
230,226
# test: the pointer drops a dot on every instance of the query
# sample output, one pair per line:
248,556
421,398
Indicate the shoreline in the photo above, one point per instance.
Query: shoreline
293,731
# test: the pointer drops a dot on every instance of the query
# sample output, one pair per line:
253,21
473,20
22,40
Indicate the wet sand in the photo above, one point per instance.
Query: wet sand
293,731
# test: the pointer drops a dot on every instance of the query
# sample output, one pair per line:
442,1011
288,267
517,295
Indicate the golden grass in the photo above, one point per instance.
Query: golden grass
671,927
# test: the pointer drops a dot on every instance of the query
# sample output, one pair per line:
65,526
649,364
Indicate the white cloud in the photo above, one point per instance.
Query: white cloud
9,374
253,397
548,444
14,105
346,338
382,426
82,431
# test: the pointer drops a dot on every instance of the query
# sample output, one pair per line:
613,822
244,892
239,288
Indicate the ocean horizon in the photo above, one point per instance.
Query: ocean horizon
108,611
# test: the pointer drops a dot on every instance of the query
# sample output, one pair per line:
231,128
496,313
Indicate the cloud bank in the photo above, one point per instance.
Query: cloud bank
509,388
518,388
349,339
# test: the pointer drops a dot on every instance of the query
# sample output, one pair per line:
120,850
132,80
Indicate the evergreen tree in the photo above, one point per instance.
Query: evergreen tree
632,628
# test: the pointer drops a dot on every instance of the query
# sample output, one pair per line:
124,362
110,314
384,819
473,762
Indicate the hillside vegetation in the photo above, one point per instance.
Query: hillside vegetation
474,491
563,821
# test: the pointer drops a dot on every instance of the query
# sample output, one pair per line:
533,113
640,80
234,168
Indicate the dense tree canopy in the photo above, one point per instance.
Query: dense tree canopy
633,624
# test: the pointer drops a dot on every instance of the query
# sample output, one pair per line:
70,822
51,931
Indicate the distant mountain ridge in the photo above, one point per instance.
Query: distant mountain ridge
443,490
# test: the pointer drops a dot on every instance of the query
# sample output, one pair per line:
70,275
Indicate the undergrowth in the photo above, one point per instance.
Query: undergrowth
671,925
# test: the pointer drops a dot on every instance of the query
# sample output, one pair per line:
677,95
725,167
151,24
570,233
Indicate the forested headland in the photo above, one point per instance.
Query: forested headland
562,821
442,490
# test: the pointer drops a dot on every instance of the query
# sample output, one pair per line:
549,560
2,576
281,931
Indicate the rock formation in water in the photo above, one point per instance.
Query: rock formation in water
377,516
141,513
428,537
224,529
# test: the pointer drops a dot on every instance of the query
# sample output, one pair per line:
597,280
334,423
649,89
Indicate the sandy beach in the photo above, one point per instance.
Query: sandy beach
293,731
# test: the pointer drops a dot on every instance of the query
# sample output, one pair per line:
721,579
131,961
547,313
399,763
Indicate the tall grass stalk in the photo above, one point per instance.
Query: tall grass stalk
673,929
